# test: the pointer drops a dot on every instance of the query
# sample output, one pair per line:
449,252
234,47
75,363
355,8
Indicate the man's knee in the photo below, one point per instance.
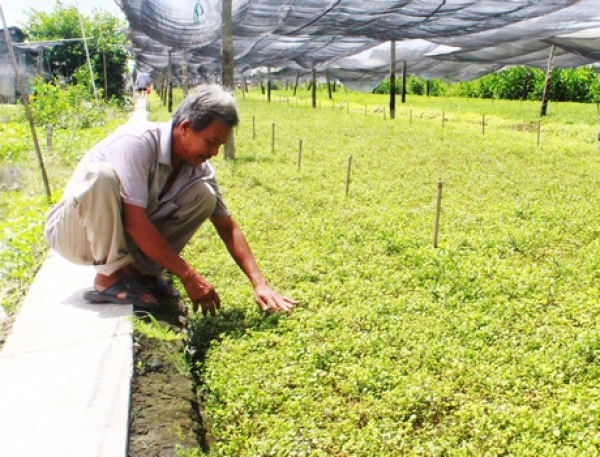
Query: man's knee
200,196
100,179
102,174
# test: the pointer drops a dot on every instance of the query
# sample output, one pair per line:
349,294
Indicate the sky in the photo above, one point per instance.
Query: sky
14,10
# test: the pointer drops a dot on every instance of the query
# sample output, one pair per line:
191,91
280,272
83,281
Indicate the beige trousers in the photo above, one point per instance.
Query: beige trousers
88,228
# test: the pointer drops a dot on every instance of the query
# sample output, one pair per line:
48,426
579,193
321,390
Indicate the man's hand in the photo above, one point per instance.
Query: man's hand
269,300
202,293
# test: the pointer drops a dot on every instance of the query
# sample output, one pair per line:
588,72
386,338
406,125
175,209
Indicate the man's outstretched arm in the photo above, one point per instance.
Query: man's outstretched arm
146,236
238,247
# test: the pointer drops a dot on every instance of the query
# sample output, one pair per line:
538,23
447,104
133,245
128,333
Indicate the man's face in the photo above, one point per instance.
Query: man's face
198,147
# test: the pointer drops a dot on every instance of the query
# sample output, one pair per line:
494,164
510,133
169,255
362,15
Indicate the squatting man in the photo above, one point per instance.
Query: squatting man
138,196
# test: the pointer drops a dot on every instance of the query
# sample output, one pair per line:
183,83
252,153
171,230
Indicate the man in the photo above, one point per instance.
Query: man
142,81
138,196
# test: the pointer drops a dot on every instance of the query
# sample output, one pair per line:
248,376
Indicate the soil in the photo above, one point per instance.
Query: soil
164,414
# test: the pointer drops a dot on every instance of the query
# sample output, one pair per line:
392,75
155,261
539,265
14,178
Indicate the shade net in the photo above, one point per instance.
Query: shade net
453,40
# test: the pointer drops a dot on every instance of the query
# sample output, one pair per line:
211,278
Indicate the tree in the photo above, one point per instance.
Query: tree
106,43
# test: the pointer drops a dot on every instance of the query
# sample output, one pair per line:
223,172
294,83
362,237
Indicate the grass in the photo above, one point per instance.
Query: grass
488,345
23,205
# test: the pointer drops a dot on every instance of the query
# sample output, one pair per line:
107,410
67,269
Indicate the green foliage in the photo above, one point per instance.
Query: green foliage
516,83
146,324
105,38
22,245
485,346
23,211
50,104
66,106
16,142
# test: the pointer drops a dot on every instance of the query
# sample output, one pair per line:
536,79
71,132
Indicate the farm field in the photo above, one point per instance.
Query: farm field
487,345
23,204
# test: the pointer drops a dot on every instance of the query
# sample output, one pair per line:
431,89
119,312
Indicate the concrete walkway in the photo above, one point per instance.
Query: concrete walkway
66,367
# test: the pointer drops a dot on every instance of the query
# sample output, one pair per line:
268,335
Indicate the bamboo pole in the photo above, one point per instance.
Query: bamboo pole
272,137
404,69
253,128
269,84
546,96
393,79
227,64
170,83
314,88
25,100
297,81
87,54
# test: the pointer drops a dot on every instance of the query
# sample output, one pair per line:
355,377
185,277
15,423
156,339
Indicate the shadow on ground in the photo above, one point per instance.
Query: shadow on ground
166,414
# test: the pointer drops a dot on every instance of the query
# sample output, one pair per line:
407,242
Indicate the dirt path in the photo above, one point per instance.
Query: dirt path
164,412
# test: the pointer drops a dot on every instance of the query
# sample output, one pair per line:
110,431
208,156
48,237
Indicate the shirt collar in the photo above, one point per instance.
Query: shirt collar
166,130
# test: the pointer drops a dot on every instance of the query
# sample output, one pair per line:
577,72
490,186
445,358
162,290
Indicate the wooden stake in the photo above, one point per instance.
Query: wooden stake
348,174
538,132
438,208
314,88
296,85
272,137
299,153
393,79
253,128
384,113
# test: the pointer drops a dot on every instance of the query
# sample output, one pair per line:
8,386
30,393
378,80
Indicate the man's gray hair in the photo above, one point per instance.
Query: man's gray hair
205,104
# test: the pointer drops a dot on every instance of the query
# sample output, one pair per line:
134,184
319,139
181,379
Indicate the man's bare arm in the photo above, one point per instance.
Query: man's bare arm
239,249
146,236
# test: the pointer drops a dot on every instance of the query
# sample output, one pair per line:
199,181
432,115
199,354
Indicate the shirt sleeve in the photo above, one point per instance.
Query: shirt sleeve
209,175
132,158
220,207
